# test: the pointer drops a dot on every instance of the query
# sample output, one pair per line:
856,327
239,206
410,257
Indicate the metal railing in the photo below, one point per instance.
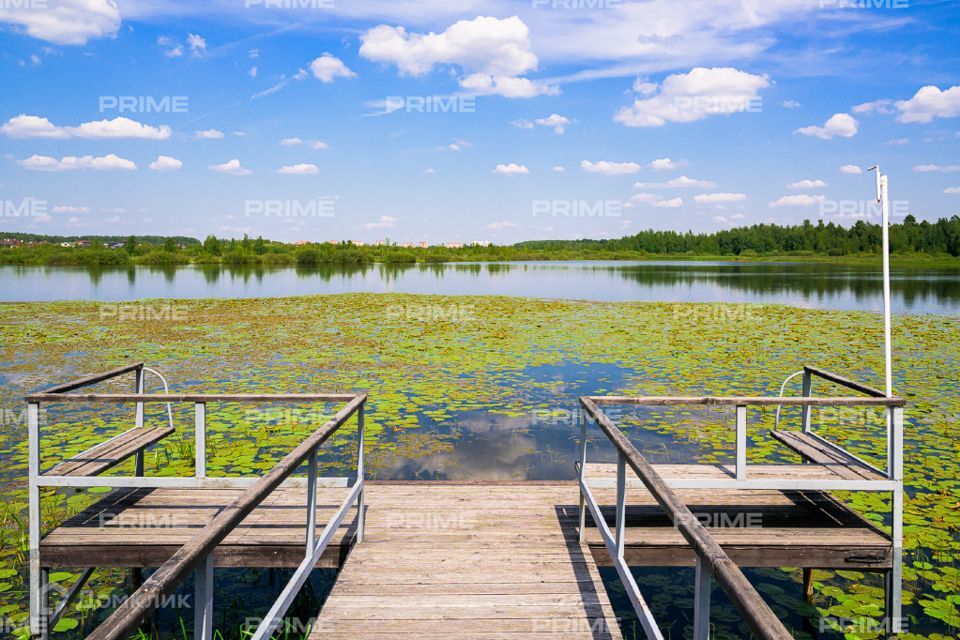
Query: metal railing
197,554
711,560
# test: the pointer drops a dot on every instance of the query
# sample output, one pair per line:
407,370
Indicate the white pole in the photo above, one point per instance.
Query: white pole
883,199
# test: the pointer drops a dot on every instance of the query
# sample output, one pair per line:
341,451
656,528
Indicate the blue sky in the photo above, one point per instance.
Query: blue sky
460,121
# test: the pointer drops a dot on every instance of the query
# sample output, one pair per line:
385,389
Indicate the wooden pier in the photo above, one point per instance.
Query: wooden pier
481,560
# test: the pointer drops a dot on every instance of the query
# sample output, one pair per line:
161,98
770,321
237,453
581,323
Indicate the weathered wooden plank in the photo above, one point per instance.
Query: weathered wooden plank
826,457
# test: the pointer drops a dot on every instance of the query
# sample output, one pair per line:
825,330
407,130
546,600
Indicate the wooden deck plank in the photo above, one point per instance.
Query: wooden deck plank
824,456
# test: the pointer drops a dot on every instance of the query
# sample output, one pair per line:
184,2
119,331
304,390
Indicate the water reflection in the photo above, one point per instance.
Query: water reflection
827,286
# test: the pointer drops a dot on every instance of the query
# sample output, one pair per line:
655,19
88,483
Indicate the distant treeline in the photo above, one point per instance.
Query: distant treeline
910,238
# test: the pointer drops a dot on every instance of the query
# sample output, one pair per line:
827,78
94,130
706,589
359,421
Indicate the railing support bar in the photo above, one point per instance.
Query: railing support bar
805,410
200,439
621,522
203,600
701,603
138,420
38,588
741,442
361,512
583,474
311,502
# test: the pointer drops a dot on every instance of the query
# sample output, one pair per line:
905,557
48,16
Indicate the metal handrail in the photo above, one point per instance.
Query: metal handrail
199,549
761,620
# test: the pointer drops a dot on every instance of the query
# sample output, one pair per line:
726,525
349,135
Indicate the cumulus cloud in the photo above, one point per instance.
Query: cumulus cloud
839,124
687,97
929,103
521,124
301,169
558,169
798,200
197,44
807,184
667,164
71,22
232,167
383,222
851,169
719,198
209,134
492,53
555,120
166,163
328,68
608,168
26,126
510,169
952,190
936,168
677,183
876,106
109,162
654,200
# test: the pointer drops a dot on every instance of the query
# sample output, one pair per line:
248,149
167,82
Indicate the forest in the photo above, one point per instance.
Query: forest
924,239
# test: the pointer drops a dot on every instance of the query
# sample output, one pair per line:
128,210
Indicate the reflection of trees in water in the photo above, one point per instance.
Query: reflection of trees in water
805,279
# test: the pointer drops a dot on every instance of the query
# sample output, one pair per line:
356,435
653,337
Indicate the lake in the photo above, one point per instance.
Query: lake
809,285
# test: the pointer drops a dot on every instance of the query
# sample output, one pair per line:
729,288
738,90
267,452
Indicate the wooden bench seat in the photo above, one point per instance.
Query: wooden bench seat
813,450
106,455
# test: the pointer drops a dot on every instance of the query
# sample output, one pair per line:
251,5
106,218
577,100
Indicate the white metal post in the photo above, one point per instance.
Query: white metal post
38,590
621,522
200,439
806,409
138,420
311,502
894,586
741,442
361,515
203,600
583,474
701,602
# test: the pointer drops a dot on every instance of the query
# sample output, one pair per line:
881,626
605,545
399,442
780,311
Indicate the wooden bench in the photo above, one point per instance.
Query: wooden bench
814,450
106,455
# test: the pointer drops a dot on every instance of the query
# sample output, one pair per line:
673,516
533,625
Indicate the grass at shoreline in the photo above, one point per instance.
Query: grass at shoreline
441,356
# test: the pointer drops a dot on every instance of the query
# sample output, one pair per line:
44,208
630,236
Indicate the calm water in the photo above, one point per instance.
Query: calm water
823,286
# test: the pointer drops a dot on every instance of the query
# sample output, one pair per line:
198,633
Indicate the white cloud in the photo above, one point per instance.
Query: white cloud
851,169
877,106
667,164
558,169
313,144
253,72
175,52
299,169
319,145
66,208
719,198
839,124
166,163
291,142
71,22
383,222
232,167
500,226
677,183
328,68
654,200
109,162
790,104
555,120
209,134
798,200
609,168
929,103
807,184
510,169
198,45
521,124
24,126
897,142
493,53
687,97
644,87
936,168
952,190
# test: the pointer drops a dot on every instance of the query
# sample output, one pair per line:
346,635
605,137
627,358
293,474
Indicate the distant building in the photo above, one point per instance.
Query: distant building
424,244
481,243
10,242
300,243
66,244
82,243
359,243
407,245
454,245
